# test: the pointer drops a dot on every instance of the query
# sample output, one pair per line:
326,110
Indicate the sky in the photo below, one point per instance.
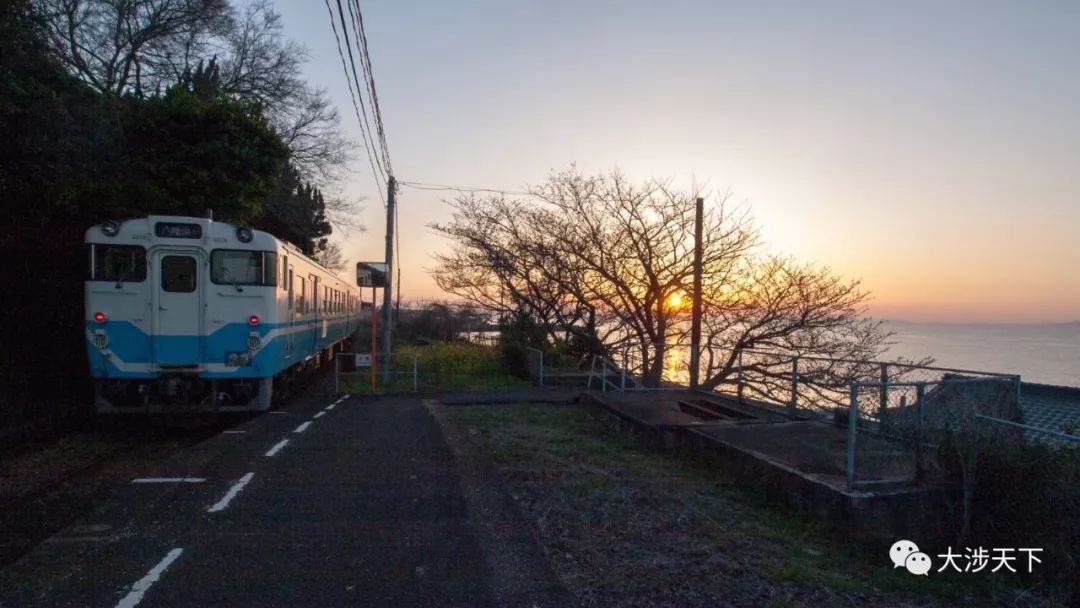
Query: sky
928,148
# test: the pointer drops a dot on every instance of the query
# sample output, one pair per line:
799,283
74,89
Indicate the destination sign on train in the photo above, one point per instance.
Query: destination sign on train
173,230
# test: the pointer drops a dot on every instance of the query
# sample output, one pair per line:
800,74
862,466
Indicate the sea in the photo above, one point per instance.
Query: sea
1044,353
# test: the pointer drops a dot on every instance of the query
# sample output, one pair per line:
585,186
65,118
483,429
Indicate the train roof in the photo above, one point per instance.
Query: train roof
186,230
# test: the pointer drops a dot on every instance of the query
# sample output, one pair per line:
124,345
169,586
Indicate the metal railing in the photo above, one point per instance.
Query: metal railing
817,385
603,370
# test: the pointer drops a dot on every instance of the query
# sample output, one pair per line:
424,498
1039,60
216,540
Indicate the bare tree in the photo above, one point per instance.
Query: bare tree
610,259
127,46
332,257
141,47
261,65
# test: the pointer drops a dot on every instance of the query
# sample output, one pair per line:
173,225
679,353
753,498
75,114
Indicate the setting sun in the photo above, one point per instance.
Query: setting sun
675,301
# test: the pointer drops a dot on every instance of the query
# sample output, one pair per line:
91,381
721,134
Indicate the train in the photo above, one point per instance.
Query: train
190,314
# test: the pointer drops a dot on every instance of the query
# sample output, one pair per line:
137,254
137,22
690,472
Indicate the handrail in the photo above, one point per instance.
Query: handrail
1027,427
877,362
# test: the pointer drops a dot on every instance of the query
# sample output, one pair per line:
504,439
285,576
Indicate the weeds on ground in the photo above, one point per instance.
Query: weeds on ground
623,526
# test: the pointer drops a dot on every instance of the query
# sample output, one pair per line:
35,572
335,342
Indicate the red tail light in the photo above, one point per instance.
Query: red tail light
99,317
253,320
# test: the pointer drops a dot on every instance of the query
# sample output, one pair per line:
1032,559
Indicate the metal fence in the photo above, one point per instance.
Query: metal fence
815,386
413,372
606,376
894,428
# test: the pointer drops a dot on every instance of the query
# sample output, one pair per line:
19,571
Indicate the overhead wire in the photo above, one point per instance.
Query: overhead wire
369,149
376,146
464,189
372,90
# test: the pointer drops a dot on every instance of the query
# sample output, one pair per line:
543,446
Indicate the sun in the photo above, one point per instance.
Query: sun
675,301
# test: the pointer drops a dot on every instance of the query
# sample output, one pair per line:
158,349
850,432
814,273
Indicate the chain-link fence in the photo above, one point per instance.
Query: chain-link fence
894,429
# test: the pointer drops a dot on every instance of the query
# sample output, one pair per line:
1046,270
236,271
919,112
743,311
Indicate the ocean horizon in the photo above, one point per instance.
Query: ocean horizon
1047,353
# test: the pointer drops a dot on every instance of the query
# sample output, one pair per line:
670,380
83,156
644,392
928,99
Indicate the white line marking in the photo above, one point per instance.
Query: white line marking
277,447
168,480
319,415
302,427
139,589
231,494
233,432
277,412
331,406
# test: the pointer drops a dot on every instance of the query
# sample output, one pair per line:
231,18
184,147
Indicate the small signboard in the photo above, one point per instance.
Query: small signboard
371,274
363,360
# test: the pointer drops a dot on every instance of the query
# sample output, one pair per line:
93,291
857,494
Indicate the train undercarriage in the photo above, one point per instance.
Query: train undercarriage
179,391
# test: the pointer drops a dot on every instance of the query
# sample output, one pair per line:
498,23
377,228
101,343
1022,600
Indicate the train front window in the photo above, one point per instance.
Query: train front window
178,273
239,267
120,263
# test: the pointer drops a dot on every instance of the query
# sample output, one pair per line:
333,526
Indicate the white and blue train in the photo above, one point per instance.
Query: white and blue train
186,313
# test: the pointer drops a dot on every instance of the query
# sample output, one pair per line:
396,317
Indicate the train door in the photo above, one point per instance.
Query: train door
291,316
177,317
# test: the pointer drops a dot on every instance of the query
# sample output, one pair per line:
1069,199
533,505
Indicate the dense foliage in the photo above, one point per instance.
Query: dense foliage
74,155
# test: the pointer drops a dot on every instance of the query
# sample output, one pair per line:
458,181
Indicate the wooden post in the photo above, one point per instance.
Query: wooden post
388,320
695,320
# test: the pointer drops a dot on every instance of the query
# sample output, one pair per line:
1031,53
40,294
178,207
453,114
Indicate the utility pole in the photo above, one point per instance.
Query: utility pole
695,320
388,291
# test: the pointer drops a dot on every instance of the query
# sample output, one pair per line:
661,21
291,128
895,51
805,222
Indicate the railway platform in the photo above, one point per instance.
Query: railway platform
331,502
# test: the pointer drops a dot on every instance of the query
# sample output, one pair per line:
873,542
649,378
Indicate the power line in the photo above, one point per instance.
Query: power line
466,189
379,180
374,94
345,26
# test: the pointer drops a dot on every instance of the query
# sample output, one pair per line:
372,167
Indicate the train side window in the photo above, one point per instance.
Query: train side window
178,273
300,296
285,272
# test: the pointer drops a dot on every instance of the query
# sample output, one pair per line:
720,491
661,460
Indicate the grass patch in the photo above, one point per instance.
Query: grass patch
443,366
624,526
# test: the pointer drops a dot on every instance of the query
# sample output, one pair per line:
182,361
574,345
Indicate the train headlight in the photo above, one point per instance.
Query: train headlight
244,235
110,227
100,318
254,341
